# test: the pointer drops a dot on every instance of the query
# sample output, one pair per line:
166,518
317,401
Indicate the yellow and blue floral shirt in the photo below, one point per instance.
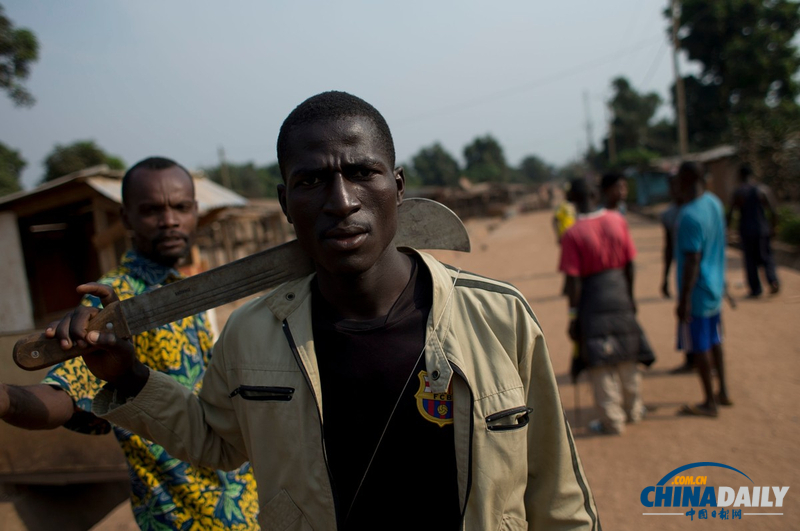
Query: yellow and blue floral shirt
167,494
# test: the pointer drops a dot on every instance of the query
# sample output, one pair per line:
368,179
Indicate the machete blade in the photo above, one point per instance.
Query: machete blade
422,224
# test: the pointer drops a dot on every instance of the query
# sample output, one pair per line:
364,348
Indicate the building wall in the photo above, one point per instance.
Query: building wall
16,312
724,178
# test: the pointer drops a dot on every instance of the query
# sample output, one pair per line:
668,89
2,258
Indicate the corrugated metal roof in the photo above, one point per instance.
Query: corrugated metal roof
210,195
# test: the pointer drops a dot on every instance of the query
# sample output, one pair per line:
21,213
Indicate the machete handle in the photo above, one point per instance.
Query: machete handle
36,351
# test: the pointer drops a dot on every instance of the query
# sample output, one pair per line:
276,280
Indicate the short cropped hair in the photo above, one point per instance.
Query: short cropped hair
693,170
745,171
150,163
580,190
609,180
329,106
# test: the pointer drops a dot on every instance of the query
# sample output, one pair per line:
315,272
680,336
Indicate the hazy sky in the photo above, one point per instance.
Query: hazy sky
182,78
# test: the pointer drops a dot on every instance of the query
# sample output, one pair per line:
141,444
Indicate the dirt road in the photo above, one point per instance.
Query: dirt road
757,436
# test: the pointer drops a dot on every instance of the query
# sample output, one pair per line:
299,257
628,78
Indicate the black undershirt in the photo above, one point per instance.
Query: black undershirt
364,367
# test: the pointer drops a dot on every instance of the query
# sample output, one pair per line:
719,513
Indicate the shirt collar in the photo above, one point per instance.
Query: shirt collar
149,271
591,215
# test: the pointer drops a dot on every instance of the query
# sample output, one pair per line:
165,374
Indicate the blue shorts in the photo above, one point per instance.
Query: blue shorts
700,334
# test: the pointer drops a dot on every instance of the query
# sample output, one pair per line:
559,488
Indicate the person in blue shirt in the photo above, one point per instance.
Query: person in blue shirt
700,266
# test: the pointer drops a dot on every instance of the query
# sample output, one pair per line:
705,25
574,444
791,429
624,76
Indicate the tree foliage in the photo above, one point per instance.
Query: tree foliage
77,156
18,49
434,166
746,50
247,179
485,160
706,114
534,170
637,139
11,166
747,89
632,114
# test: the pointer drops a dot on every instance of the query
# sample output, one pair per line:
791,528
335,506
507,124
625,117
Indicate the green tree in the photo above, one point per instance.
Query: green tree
746,50
434,166
633,113
248,179
77,156
637,139
534,170
11,166
485,160
18,49
747,89
706,114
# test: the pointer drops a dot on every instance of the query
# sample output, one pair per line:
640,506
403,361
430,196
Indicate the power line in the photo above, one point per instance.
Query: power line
614,56
656,61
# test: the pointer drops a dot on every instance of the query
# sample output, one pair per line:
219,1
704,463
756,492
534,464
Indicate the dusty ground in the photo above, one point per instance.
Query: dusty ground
762,339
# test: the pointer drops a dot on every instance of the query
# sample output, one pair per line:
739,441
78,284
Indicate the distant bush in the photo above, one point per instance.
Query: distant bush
788,226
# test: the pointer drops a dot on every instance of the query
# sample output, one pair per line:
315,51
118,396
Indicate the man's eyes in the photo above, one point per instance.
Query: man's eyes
308,180
363,173
151,210
355,173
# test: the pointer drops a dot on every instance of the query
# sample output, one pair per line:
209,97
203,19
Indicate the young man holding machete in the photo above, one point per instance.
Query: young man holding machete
386,390
159,208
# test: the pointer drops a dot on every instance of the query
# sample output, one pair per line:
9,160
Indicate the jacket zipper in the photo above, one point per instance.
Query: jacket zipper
459,372
299,361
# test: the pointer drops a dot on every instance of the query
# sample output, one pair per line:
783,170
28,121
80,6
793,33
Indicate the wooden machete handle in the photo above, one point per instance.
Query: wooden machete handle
36,352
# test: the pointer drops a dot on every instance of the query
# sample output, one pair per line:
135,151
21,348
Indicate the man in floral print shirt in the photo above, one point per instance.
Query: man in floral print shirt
167,494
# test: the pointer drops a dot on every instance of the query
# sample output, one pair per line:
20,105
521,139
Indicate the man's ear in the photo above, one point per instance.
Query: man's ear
282,200
400,181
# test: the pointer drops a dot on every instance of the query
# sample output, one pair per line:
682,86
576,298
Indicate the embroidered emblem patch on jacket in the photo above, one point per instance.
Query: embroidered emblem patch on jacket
434,407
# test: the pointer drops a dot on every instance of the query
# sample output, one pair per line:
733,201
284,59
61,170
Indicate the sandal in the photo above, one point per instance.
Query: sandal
724,402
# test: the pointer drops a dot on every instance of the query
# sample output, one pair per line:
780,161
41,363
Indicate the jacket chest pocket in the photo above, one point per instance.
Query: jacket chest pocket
505,411
263,393
514,418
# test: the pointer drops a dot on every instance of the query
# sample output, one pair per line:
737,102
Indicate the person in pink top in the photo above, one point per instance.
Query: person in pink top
597,258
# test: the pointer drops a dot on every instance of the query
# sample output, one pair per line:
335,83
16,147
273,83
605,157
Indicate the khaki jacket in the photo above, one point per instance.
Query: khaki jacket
517,463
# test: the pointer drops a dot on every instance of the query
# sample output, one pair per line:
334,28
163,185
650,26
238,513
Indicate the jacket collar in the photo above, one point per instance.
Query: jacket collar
291,299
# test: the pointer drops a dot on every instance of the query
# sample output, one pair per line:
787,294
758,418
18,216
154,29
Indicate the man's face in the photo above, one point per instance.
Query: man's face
617,192
622,187
341,194
162,213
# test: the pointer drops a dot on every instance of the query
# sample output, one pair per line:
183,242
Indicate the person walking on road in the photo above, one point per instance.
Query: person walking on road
754,200
597,258
700,265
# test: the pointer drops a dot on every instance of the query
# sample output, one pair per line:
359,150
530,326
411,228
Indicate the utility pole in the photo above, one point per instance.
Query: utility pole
223,168
680,93
589,127
612,141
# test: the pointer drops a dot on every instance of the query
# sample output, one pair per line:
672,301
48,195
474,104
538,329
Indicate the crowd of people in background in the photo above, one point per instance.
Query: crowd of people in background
597,259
